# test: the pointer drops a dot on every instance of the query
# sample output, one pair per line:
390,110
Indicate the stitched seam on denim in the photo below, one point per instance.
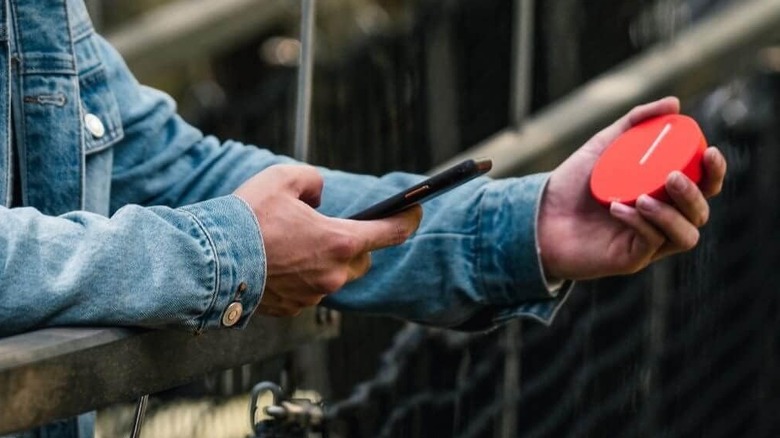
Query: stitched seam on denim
262,249
217,278
444,233
13,15
88,76
111,138
47,63
9,129
56,99
548,321
15,120
82,31
537,248
82,140
114,131
480,240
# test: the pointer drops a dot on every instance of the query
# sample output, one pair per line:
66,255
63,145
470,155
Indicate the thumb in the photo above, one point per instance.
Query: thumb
667,105
306,183
640,113
389,231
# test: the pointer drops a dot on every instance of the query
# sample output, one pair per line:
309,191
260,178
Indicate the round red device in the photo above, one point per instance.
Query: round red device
641,159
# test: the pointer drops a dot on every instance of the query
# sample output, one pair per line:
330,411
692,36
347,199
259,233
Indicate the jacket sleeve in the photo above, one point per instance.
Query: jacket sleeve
474,262
155,266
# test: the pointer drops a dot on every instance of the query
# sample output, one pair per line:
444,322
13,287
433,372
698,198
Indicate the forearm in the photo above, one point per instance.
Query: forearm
142,267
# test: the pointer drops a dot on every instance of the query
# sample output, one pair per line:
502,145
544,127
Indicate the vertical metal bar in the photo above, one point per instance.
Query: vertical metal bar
441,88
520,107
511,381
140,413
305,68
661,285
522,61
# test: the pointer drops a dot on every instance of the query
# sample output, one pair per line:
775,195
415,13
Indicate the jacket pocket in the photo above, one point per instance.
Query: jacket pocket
101,120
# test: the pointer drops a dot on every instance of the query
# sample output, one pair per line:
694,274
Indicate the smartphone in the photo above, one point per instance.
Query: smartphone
428,189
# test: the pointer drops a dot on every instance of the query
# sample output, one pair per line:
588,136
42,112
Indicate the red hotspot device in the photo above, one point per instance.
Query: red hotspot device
641,159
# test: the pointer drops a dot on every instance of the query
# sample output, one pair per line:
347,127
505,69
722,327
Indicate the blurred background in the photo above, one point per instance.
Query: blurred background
686,348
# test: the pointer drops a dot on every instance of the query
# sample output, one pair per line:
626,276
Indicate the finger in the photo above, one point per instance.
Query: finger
668,248
715,166
688,198
304,301
359,266
390,231
290,302
670,221
650,238
305,182
667,105
270,299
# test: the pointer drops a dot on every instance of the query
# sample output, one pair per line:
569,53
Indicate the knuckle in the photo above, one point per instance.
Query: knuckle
362,265
718,188
334,281
634,114
317,178
277,169
637,264
312,174
366,264
316,300
691,240
401,233
631,267
704,217
311,300
345,246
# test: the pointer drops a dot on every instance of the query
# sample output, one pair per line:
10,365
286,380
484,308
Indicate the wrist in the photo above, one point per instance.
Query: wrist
546,241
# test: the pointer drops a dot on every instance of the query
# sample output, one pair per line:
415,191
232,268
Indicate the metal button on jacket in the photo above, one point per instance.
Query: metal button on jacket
94,125
232,314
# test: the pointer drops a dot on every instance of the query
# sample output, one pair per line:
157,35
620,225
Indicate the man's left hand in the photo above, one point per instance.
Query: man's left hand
581,239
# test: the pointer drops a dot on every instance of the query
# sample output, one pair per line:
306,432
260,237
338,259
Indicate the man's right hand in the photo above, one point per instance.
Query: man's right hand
309,255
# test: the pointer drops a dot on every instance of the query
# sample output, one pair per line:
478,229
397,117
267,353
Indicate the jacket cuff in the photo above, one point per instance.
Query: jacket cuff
509,247
233,235
543,311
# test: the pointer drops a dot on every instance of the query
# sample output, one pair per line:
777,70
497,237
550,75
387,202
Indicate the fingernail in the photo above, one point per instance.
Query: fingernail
645,203
679,184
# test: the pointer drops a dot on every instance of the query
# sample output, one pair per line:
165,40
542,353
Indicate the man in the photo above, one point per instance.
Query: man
119,213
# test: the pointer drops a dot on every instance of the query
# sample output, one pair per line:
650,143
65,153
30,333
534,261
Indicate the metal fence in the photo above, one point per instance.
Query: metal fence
686,348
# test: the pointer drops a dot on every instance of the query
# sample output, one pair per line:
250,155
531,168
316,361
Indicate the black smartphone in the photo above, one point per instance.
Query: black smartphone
430,188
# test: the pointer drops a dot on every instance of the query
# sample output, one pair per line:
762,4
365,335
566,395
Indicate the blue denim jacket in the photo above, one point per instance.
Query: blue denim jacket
128,216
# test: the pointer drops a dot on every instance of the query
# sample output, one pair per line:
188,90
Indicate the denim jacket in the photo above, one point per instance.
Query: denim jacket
128,217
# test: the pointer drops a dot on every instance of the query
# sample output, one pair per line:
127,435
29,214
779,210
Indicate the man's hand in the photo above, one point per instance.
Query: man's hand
581,239
309,255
